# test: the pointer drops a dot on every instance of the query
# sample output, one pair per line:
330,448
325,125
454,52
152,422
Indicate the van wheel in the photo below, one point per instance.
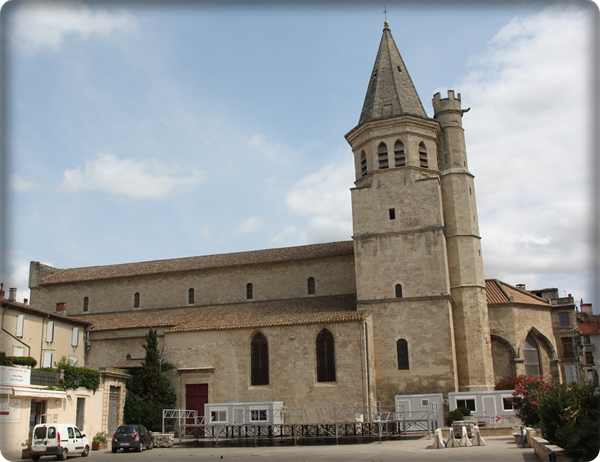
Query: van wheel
151,445
35,458
85,452
114,450
63,456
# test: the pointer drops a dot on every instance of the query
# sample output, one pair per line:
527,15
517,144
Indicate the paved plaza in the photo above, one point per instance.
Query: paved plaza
498,449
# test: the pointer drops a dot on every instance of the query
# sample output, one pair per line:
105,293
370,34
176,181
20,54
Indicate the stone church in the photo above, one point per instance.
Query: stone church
401,308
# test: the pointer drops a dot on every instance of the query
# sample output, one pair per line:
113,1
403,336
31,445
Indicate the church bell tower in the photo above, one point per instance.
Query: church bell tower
406,265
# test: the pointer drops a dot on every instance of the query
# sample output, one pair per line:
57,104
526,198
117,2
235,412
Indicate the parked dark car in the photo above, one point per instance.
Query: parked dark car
132,437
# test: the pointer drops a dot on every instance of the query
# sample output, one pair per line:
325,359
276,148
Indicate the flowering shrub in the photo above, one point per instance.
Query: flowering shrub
526,398
510,383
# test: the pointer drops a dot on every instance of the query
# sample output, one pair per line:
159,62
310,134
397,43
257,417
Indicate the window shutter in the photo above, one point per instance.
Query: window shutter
47,359
50,332
75,339
20,323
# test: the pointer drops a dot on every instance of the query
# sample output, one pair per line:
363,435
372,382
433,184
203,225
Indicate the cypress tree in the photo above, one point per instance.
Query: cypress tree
151,367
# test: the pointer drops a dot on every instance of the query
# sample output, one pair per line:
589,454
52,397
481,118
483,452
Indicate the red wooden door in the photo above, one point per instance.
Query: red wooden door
196,396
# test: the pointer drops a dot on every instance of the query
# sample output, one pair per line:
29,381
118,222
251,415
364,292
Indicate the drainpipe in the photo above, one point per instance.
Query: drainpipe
368,365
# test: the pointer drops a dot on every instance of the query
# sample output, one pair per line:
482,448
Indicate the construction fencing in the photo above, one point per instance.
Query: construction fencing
379,422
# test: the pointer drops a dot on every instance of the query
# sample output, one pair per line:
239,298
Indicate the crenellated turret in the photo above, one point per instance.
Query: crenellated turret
467,283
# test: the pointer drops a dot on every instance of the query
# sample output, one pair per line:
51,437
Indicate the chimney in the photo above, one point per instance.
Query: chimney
521,286
2,290
61,308
587,308
12,294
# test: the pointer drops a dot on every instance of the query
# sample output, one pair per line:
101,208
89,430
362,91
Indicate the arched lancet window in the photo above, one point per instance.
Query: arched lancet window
260,360
249,293
191,296
136,300
531,356
128,357
383,156
399,154
398,290
325,357
312,288
402,349
423,156
86,303
363,163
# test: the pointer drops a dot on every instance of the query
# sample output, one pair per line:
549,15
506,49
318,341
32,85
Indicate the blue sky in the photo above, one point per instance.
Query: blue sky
141,132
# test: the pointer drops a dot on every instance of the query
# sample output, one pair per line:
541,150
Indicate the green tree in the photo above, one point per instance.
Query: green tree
149,391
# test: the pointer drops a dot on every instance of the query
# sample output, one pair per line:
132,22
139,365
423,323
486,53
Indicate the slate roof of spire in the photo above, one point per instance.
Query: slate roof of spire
390,84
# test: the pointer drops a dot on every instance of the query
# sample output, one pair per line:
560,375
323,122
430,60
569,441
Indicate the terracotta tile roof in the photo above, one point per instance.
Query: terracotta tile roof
43,313
498,292
128,364
588,328
175,265
310,310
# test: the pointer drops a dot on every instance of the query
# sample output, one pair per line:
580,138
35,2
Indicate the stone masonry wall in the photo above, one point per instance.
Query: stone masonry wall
215,286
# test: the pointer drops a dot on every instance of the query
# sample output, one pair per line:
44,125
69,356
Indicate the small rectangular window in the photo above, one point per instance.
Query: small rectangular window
75,338
567,344
507,403
589,358
563,318
20,324
50,332
424,402
392,214
468,403
258,415
218,416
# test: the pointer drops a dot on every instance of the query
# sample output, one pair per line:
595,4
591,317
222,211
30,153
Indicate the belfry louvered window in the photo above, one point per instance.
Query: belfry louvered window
191,296
382,152
363,163
399,158
325,357
312,287
259,374
423,156
402,350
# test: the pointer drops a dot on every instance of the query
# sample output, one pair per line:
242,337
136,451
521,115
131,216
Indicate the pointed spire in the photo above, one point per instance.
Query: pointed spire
391,91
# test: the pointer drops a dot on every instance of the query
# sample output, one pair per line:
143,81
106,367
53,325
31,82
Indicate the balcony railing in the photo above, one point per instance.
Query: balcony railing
44,378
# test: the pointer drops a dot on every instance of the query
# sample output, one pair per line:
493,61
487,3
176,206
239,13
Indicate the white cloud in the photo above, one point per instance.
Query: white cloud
19,279
18,184
323,197
248,226
38,25
131,178
527,140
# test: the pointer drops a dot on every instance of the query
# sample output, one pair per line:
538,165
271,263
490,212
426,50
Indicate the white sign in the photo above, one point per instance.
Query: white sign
14,376
10,410
495,419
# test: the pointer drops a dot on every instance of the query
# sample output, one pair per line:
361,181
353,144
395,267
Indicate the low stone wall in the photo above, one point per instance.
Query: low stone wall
543,448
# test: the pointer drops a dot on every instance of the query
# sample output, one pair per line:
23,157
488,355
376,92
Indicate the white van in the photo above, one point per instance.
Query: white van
58,440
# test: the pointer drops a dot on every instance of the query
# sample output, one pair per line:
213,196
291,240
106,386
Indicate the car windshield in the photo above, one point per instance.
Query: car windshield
126,429
40,432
